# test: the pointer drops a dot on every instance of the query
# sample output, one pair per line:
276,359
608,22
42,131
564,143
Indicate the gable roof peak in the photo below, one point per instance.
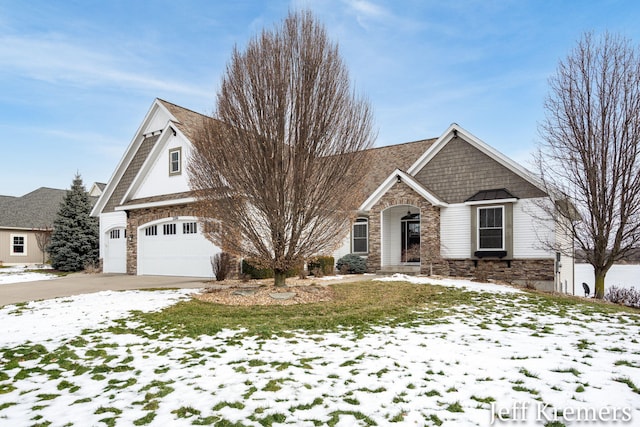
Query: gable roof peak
455,131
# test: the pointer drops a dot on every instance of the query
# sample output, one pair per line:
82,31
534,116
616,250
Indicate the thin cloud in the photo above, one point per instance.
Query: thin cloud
370,15
52,59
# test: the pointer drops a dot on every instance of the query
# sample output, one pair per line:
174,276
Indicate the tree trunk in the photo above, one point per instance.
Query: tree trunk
599,284
279,277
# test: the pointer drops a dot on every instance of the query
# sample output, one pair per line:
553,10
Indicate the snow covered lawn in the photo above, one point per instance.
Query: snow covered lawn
20,274
501,356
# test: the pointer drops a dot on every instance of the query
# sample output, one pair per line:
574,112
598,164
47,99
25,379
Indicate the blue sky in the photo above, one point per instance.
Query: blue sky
77,77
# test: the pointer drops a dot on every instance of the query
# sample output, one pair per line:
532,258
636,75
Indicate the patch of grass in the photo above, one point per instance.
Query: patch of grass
434,418
304,407
454,407
162,389
47,396
234,405
7,405
483,399
102,410
629,383
145,420
627,363
573,371
269,419
6,388
358,305
335,417
352,401
185,412
525,389
527,373
272,385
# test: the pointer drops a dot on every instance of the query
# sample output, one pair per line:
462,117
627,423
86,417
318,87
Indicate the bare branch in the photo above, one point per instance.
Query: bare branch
281,168
590,154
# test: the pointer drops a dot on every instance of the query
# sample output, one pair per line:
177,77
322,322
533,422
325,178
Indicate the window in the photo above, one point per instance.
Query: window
151,230
18,245
491,228
168,229
189,228
360,236
175,163
114,234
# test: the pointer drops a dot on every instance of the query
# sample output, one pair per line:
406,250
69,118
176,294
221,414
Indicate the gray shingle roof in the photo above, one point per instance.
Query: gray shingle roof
37,209
33,210
383,160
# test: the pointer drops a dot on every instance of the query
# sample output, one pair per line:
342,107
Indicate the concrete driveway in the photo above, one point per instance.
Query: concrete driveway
81,283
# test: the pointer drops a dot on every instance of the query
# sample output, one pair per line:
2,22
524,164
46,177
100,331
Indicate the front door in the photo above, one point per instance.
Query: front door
410,238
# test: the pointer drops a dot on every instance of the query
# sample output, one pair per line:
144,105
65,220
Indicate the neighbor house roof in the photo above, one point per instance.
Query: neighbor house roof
37,209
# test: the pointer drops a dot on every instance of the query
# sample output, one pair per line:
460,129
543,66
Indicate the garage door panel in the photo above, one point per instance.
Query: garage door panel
175,254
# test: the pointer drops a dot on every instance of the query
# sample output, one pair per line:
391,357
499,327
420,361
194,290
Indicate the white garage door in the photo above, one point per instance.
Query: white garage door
115,251
174,248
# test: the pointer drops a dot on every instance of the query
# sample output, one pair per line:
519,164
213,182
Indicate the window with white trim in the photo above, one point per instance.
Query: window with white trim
168,229
175,161
18,245
189,227
491,228
360,236
114,234
152,230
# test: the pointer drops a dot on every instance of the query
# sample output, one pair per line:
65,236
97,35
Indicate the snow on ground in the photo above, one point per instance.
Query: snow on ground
19,274
504,353
50,322
456,283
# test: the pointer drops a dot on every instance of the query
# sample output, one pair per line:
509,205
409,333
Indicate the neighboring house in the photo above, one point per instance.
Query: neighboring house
448,206
20,220
96,189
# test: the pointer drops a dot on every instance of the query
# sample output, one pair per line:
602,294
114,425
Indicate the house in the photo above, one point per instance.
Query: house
96,189
451,205
21,220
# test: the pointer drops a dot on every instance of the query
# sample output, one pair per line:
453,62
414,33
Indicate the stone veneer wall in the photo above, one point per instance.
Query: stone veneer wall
402,194
139,217
521,270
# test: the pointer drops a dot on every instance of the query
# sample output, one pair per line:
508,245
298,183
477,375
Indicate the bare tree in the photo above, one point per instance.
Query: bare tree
278,175
43,238
590,156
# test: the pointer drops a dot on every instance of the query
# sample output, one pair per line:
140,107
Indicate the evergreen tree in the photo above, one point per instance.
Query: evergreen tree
74,242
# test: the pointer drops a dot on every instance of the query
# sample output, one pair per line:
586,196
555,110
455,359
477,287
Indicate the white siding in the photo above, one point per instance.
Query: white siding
344,248
391,235
455,231
157,180
109,221
531,231
566,276
157,122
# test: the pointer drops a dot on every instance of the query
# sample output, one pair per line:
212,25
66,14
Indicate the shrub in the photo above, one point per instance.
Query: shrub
321,266
628,297
221,265
352,264
251,270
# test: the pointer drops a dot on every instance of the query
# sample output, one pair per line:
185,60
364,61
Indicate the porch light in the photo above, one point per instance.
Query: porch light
399,179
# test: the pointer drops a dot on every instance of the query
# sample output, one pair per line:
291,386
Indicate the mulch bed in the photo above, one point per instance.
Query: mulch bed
231,292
